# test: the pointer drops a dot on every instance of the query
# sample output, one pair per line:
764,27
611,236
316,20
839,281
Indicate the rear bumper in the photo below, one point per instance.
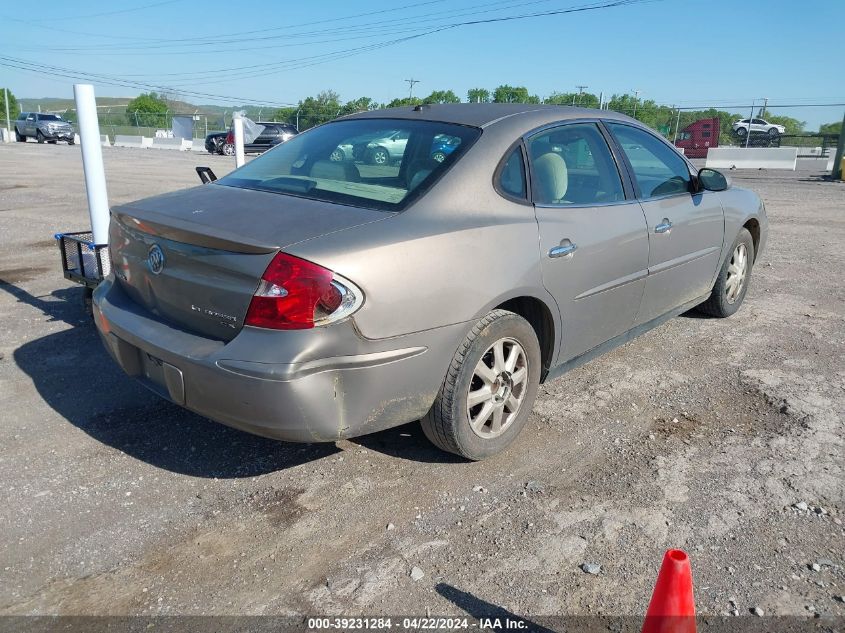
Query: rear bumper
314,385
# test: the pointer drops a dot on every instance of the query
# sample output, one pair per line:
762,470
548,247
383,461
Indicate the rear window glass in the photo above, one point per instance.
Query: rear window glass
372,163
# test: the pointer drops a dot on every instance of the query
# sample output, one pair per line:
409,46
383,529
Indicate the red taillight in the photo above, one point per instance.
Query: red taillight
230,138
295,294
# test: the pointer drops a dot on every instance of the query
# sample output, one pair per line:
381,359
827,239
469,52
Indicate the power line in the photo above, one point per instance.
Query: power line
106,13
254,70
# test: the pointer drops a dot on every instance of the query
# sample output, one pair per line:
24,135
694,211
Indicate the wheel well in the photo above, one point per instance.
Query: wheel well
753,227
540,317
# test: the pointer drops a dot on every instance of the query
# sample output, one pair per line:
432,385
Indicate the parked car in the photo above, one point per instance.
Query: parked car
315,300
43,127
740,128
271,135
698,137
390,148
385,150
214,142
442,146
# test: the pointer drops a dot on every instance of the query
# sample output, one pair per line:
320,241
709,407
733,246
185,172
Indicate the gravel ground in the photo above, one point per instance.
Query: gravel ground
722,437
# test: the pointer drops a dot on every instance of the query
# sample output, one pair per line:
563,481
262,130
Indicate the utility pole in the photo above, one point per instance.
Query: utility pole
765,103
411,83
636,101
580,92
677,125
750,123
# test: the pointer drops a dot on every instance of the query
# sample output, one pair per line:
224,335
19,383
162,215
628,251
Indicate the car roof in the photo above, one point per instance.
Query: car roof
488,114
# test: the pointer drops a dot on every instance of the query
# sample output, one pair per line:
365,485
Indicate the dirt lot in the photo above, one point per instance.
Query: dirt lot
703,434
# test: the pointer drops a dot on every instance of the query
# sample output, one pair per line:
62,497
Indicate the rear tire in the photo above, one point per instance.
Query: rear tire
380,156
498,367
20,137
741,132
732,282
228,149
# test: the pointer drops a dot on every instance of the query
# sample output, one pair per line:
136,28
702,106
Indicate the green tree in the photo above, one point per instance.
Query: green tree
147,110
478,95
320,109
513,94
583,99
831,128
361,104
442,96
404,102
14,106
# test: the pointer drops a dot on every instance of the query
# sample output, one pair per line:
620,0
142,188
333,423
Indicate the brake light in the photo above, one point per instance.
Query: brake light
230,138
295,294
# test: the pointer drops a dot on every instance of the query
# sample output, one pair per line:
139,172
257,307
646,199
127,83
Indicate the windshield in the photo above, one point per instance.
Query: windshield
49,117
372,163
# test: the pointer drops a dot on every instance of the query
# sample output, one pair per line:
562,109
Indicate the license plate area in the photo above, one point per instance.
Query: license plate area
162,377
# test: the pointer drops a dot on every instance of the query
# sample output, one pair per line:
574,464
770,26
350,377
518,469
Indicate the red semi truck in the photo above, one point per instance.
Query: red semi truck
698,137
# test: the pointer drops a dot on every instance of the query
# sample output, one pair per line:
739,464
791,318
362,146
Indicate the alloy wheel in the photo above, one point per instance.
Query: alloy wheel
497,389
737,271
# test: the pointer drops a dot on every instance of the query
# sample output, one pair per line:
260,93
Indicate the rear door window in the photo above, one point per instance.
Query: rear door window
658,169
572,164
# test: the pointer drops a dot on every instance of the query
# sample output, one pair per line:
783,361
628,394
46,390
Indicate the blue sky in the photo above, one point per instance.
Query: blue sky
685,52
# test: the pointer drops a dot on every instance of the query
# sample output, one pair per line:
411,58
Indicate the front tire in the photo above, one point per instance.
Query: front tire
774,132
489,388
39,136
732,282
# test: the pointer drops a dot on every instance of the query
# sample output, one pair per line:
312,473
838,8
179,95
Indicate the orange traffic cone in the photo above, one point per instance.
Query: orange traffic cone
672,606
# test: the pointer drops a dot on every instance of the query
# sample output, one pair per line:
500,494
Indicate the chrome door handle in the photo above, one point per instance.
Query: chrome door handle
566,248
664,227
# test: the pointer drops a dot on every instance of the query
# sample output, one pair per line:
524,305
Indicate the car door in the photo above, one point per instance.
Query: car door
30,125
263,141
593,236
685,230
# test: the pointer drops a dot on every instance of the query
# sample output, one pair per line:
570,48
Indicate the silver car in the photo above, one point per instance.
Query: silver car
311,300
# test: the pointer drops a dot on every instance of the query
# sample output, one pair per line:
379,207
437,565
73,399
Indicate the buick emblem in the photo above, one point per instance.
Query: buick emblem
155,259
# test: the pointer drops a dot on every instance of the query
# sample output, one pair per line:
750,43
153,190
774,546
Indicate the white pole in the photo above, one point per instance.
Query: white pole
238,125
8,122
92,161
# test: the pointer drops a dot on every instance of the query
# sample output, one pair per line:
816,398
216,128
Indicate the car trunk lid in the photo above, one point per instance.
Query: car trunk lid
195,257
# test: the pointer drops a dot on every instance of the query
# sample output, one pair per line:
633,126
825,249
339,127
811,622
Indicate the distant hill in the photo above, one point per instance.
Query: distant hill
118,104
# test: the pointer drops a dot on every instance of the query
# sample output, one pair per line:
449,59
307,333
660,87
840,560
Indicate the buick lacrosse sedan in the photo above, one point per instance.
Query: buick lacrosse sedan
310,299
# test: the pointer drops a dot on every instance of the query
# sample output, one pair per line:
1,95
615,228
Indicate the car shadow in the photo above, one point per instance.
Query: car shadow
407,442
478,608
695,314
75,376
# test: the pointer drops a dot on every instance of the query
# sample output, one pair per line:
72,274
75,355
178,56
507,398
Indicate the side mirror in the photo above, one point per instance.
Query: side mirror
711,180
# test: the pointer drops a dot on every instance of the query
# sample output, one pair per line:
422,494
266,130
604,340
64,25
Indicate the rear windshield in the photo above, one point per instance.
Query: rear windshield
373,163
